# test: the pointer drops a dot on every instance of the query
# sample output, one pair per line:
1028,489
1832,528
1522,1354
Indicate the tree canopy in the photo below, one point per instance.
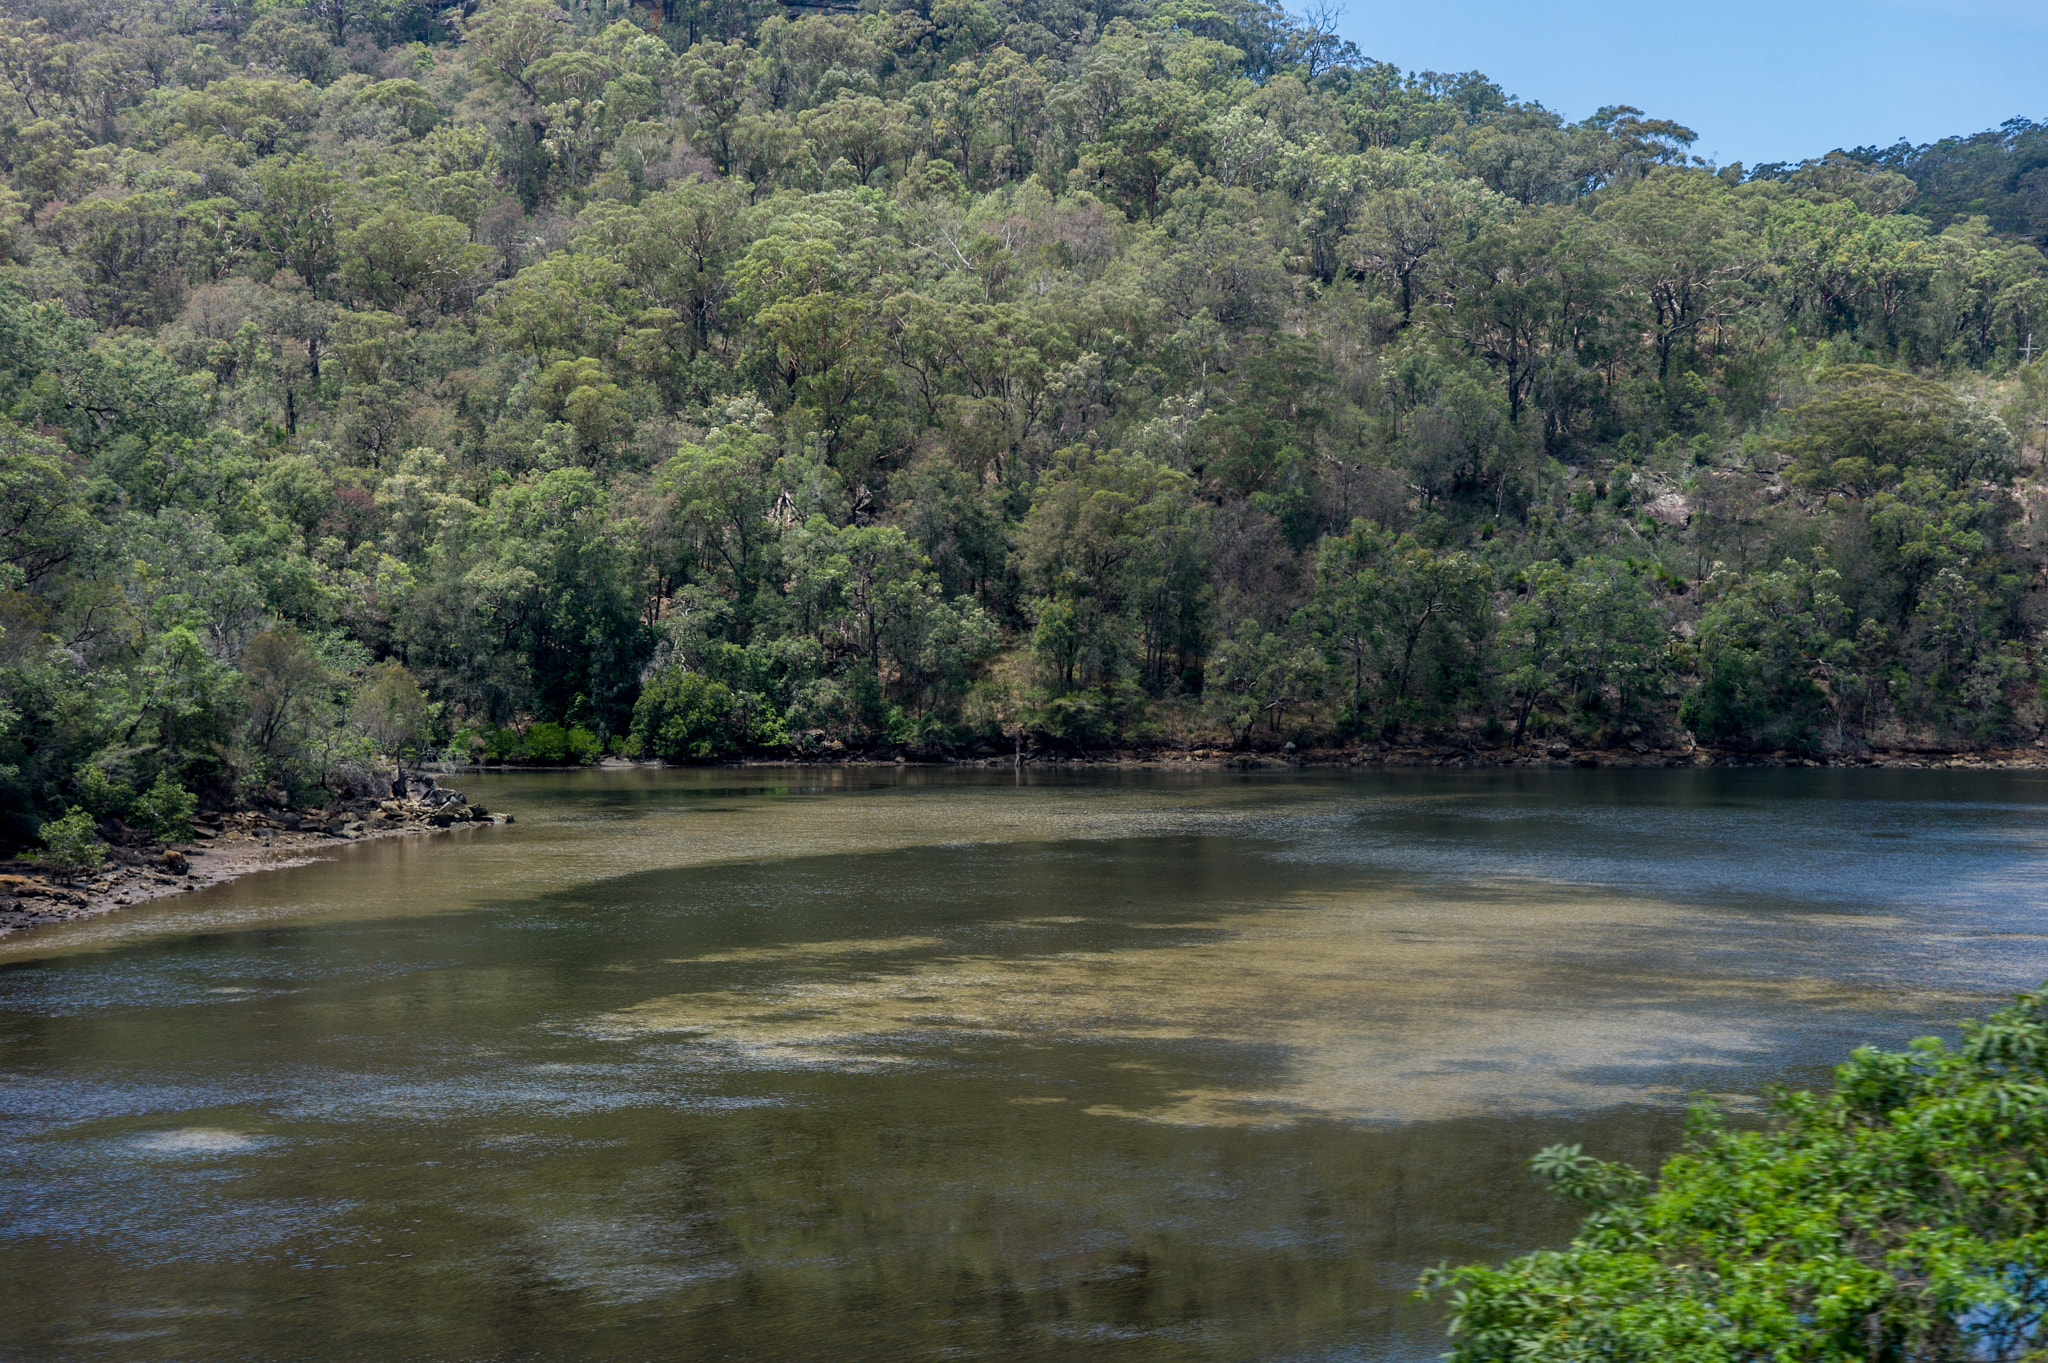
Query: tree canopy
935,379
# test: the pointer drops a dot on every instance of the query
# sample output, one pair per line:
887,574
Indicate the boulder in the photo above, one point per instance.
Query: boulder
415,785
1672,508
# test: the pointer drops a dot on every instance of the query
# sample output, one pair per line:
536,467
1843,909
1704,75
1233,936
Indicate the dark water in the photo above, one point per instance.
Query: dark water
761,1065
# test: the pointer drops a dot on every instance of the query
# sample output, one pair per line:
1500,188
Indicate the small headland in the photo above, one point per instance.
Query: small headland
225,845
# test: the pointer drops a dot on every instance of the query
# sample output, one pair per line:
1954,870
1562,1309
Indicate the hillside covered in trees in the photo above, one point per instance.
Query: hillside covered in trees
514,381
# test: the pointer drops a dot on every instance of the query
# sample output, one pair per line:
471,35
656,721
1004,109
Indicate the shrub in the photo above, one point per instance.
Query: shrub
493,744
72,846
683,717
1900,1217
553,744
103,793
545,742
165,810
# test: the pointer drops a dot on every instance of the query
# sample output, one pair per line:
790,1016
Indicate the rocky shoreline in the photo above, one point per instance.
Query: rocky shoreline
227,846
1554,756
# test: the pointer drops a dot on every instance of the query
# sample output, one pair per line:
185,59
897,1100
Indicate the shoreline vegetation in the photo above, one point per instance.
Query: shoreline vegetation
712,381
389,385
1898,1216
135,868
237,844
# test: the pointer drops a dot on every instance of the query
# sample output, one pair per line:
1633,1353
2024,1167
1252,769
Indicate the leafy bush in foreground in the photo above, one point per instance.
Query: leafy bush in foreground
1904,1217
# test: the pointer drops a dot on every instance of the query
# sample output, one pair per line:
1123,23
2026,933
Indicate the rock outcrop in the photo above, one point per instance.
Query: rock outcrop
233,843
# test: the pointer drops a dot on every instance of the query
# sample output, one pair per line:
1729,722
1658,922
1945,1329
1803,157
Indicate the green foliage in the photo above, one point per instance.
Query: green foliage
1766,645
684,717
71,844
1872,426
421,262
392,711
286,685
43,522
545,743
1576,635
1255,674
1116,550
165,810
917,379
1898,1217
555,745
1391,612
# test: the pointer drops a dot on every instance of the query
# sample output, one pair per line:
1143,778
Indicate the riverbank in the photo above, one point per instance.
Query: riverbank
1536,756
1553,756
1380,756
228,847
223,847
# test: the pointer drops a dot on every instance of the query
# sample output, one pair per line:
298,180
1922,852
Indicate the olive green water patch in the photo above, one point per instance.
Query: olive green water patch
1386,1006
1116,1070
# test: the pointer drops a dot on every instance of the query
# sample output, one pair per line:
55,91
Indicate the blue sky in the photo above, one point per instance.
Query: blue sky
1758,80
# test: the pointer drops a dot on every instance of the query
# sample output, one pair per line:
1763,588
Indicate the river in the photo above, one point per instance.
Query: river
904,1064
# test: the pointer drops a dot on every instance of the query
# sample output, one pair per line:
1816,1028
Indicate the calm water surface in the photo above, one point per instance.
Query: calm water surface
800,1065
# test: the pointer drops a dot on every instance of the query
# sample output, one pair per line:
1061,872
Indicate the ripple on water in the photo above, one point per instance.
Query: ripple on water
1194,1070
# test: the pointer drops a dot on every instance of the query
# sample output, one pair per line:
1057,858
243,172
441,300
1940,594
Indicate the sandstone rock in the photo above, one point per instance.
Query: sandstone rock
1672,508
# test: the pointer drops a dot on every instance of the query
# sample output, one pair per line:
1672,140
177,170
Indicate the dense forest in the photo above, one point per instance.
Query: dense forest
514,382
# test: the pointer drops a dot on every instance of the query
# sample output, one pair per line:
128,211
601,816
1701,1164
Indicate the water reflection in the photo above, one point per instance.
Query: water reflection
895,1065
